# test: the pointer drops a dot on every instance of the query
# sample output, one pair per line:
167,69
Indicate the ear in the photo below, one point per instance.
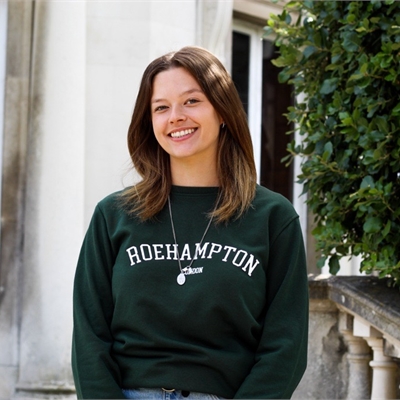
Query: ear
221,120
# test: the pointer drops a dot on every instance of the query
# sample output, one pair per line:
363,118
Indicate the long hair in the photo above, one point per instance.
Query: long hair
235,162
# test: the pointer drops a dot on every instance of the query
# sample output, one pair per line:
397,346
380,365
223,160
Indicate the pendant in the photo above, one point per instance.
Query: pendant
181,279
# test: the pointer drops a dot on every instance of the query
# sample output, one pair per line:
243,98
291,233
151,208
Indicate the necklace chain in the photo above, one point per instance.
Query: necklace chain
181,277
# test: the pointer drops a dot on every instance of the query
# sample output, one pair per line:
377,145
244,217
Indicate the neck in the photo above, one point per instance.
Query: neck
194,174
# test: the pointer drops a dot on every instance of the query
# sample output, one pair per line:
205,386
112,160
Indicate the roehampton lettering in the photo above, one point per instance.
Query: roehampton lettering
149,252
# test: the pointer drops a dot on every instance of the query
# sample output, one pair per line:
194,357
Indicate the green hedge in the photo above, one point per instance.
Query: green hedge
343,60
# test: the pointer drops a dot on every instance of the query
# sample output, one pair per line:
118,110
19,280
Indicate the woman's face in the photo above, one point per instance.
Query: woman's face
185,123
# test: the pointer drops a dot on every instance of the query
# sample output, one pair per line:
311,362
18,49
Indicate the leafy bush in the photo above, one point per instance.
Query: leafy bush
343,60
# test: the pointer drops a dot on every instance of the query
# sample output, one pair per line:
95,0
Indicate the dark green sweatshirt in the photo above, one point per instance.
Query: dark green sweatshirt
237,328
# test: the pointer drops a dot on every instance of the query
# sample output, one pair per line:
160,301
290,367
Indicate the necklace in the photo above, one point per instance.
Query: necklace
181,277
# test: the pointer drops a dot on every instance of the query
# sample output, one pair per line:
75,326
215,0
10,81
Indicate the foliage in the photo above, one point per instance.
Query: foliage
343,60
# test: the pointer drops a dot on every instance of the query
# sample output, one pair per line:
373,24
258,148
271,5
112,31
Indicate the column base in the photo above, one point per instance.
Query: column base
52,390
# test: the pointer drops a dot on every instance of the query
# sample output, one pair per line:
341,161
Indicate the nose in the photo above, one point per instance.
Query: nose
177,114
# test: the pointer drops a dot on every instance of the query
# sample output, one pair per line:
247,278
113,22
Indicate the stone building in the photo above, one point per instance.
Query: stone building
69,73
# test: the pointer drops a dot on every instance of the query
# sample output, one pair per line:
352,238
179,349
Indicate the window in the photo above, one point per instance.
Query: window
265,101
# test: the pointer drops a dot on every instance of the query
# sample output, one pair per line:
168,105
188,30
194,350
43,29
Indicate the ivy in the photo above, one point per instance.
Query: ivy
343,60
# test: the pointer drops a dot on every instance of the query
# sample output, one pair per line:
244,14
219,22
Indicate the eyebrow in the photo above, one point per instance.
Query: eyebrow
186,92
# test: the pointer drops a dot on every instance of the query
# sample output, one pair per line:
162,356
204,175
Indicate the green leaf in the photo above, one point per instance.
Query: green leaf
280,62
382,124
309,50
368,181
372,225
377,154
334,265
347,121
387,228
396,110
342,250
351,18
328,148
321,262
361,29
356,76
351,41
364,68
328,86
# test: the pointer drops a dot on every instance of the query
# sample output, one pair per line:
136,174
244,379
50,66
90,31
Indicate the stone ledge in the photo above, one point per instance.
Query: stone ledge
318,287
365,296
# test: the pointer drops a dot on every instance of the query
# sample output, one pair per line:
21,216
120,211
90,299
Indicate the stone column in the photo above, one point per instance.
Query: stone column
384,370
15,130
54,199
358,356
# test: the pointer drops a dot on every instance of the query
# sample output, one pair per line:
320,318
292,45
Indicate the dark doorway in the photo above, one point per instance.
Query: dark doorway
241,66
276,98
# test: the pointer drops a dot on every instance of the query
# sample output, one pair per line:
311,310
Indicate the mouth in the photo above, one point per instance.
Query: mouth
182,133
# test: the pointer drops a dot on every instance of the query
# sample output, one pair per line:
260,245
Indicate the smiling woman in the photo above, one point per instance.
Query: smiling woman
184,278
208,83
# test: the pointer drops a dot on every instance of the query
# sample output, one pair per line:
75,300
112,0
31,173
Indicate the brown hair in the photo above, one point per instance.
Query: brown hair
235,163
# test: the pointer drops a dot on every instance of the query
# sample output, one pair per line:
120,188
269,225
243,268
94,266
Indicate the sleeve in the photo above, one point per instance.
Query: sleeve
96,374
281,356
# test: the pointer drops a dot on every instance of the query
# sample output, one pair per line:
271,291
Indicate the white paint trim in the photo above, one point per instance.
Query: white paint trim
299,201
260,9
255,82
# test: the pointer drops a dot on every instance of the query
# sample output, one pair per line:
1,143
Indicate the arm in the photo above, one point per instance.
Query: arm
95,372
281,356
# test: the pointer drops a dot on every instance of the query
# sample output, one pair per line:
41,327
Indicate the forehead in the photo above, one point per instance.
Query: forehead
174,81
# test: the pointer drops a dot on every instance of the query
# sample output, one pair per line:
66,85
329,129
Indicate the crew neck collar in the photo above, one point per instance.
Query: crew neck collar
175,189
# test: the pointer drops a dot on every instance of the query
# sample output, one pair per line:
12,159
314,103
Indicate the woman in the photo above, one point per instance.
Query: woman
192,283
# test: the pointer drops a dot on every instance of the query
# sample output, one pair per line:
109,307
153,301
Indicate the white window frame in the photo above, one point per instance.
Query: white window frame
255,80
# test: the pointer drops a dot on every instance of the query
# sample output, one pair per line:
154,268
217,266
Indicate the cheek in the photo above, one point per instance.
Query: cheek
158,134
159,137
157,127
217,118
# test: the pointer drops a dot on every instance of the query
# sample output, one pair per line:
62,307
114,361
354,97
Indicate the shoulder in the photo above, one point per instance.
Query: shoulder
112,205
111,199
111,214
274,210
268,201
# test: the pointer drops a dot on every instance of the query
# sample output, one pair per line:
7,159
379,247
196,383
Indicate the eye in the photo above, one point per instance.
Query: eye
192,101
160,108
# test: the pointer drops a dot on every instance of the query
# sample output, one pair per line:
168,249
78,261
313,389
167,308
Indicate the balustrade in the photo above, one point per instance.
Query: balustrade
368,322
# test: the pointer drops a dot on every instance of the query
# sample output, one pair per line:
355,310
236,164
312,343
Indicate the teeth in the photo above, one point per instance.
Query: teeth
182,133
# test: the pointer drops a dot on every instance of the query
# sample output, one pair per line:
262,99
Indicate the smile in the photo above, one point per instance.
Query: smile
182,133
